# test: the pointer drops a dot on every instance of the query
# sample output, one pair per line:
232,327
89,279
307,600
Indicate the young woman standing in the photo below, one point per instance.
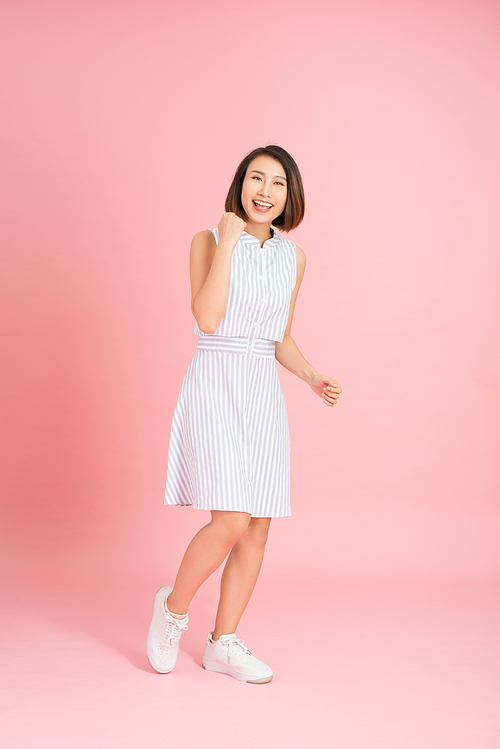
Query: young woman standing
229,448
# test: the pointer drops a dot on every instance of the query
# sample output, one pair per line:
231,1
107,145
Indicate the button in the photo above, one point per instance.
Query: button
261,251
260,278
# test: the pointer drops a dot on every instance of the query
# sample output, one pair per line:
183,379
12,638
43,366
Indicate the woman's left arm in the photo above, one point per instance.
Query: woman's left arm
289,356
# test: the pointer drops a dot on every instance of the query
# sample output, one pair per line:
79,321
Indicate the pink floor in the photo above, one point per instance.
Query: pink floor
383,665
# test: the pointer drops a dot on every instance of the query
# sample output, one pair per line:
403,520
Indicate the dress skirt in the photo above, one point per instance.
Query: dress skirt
229,441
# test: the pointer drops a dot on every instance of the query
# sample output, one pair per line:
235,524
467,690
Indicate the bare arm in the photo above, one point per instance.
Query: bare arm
287,352
290,357
210,271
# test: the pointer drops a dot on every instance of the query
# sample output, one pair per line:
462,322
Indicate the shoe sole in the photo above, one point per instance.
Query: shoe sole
223,668
159,599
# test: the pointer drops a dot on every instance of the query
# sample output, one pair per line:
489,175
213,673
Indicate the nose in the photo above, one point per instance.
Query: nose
265,189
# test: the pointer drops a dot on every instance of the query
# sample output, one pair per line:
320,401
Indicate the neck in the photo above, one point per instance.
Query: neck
260,231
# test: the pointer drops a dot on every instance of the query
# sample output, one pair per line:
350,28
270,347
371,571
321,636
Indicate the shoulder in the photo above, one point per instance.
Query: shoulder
203,244
202,252
301,257
301,264
203,238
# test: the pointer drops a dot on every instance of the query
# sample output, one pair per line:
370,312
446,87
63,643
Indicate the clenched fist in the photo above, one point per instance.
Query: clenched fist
230,228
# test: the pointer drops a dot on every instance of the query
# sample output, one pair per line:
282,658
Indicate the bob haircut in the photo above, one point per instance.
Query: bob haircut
293,212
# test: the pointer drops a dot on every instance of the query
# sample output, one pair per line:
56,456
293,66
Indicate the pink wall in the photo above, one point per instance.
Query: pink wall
122,124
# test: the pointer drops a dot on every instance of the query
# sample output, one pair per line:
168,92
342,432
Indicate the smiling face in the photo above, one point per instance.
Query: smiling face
264,190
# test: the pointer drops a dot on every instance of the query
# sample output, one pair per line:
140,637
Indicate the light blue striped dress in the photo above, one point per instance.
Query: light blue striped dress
229,443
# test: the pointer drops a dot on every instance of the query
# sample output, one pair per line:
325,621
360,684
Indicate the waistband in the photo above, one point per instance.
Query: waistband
239,345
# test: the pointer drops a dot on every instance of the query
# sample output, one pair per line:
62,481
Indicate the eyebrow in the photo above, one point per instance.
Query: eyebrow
264,174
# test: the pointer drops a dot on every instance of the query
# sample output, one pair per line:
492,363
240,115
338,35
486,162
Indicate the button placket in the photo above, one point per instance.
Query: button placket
258,308
251,339
258,257
261,264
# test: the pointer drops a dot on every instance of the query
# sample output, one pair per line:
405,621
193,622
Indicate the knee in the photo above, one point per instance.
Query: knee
257,532
231,526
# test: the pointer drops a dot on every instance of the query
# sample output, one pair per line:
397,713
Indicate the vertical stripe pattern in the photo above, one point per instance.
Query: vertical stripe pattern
229,443
261,284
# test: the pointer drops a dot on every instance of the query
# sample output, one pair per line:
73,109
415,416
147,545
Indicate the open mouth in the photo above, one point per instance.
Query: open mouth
262,206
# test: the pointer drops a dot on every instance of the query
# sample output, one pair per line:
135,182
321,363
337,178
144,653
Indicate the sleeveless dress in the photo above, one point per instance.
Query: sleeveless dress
229,443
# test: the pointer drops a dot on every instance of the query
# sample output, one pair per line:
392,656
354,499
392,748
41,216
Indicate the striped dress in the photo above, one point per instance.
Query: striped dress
229,443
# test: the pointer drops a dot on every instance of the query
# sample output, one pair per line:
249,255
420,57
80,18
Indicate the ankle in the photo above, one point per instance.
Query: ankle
215,635
172,613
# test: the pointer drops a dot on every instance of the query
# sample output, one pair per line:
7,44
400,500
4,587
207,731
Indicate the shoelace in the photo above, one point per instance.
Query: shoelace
172,633
239,643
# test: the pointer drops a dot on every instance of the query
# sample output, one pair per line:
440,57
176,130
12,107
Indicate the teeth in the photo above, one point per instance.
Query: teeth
264,205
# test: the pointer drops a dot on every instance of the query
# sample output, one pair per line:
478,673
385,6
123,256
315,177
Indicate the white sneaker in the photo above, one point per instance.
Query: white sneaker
164,634
229,655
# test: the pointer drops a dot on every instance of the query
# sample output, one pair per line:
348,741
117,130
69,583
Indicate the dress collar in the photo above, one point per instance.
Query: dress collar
250,239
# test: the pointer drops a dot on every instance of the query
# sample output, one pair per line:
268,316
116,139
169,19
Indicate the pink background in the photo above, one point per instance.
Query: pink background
122,124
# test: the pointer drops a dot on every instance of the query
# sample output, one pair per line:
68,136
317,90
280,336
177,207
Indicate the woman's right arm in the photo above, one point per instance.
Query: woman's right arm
210,270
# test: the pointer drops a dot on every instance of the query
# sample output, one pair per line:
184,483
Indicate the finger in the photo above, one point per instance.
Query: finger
336,387
330,393
330,400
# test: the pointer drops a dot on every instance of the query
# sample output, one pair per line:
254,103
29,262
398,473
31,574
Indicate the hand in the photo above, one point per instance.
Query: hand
231,227
326,388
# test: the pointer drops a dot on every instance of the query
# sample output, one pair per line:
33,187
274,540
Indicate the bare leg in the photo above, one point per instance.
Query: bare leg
240,575
205,553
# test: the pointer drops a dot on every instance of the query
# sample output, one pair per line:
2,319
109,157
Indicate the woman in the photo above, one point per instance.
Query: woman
229,445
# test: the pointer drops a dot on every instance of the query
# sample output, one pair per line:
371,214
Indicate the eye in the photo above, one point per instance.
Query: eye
255,176
279,183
